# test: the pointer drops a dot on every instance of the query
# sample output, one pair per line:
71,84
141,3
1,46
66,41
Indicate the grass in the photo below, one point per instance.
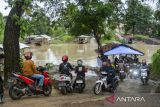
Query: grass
141,37
110,40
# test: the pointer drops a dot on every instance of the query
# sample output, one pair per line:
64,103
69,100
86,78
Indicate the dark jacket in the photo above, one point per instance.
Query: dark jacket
65,67
111,70
80,70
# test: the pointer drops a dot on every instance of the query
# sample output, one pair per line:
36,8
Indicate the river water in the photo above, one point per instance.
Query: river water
54,52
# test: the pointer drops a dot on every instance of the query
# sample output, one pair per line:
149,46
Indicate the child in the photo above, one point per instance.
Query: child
1,90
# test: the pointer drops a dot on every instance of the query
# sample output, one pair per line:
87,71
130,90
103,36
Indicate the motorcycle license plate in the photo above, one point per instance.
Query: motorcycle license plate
144,74
79,81
121,71
61,84
80,69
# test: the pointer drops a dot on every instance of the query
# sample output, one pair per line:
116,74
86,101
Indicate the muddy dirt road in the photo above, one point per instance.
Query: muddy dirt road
128,88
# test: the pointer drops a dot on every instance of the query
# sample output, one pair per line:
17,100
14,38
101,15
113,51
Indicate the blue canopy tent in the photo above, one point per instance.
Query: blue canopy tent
123,49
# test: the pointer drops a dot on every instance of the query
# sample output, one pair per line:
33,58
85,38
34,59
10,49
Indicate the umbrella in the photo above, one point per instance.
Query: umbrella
22,46
123,49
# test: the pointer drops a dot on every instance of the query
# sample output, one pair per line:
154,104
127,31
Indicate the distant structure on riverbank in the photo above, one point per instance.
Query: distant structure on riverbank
128,38
38,39
83,39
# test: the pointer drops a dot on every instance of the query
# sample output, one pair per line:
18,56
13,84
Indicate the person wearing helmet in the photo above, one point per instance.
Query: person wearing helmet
104,66
29,70
80,68
65,66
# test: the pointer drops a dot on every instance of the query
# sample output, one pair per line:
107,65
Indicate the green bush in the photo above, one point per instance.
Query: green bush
156,63
67,38
109,38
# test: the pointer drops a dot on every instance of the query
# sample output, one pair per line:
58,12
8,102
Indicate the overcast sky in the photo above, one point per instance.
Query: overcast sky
5,12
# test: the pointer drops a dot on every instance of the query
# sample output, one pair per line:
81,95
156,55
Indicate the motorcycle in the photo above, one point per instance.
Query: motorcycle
79,84
144,76
102,85
134,71
122,75
22,85
64,84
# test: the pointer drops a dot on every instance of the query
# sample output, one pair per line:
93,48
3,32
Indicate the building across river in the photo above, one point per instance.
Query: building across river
38,39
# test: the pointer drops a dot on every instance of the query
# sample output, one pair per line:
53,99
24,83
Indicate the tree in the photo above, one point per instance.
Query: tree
13,30
91,17
156,24
11,38
138,17
1,26
156,63
38,23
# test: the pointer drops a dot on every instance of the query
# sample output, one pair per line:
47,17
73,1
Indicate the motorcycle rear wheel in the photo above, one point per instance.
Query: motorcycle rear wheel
47,90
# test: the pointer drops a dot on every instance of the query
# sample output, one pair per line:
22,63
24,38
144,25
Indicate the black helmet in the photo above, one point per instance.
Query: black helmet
79,62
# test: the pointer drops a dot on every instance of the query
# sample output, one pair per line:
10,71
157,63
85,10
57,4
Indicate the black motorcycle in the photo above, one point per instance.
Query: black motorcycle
79,84
144,76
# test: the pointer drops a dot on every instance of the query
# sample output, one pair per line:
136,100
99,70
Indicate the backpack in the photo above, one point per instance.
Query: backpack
65,68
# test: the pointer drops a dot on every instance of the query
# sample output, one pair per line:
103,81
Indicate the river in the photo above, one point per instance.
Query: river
54,52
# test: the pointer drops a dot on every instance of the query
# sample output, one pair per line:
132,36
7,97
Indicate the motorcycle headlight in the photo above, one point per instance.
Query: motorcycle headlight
135,72
130,70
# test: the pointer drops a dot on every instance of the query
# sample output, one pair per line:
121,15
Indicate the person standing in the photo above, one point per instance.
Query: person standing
1,91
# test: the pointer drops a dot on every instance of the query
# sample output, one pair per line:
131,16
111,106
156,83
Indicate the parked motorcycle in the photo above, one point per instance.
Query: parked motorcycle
122,75
22,85
102,85
79,84
144,76
64,84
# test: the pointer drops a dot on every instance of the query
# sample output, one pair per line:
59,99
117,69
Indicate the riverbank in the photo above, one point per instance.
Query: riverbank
147,39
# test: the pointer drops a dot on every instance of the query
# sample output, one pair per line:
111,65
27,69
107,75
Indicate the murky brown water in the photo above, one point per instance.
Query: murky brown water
148,50
54,53
86,52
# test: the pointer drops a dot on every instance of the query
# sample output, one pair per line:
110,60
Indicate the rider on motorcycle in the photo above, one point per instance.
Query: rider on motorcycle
80,70
65,66
29,70
104,66
110,75
144,65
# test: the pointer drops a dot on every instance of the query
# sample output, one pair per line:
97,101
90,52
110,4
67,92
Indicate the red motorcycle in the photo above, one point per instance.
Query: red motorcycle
23,85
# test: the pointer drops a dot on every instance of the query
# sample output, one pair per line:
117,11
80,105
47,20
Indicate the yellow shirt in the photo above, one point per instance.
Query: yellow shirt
28,68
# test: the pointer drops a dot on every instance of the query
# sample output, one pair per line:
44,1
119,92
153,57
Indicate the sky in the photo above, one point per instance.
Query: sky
5,12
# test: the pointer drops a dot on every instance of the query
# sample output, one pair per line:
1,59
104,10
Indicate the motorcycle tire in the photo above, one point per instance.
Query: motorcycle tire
47,90
13,93
63,90
80,88
97,88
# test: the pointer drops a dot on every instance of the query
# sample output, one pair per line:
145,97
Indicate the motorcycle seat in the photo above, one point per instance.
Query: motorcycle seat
34,79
